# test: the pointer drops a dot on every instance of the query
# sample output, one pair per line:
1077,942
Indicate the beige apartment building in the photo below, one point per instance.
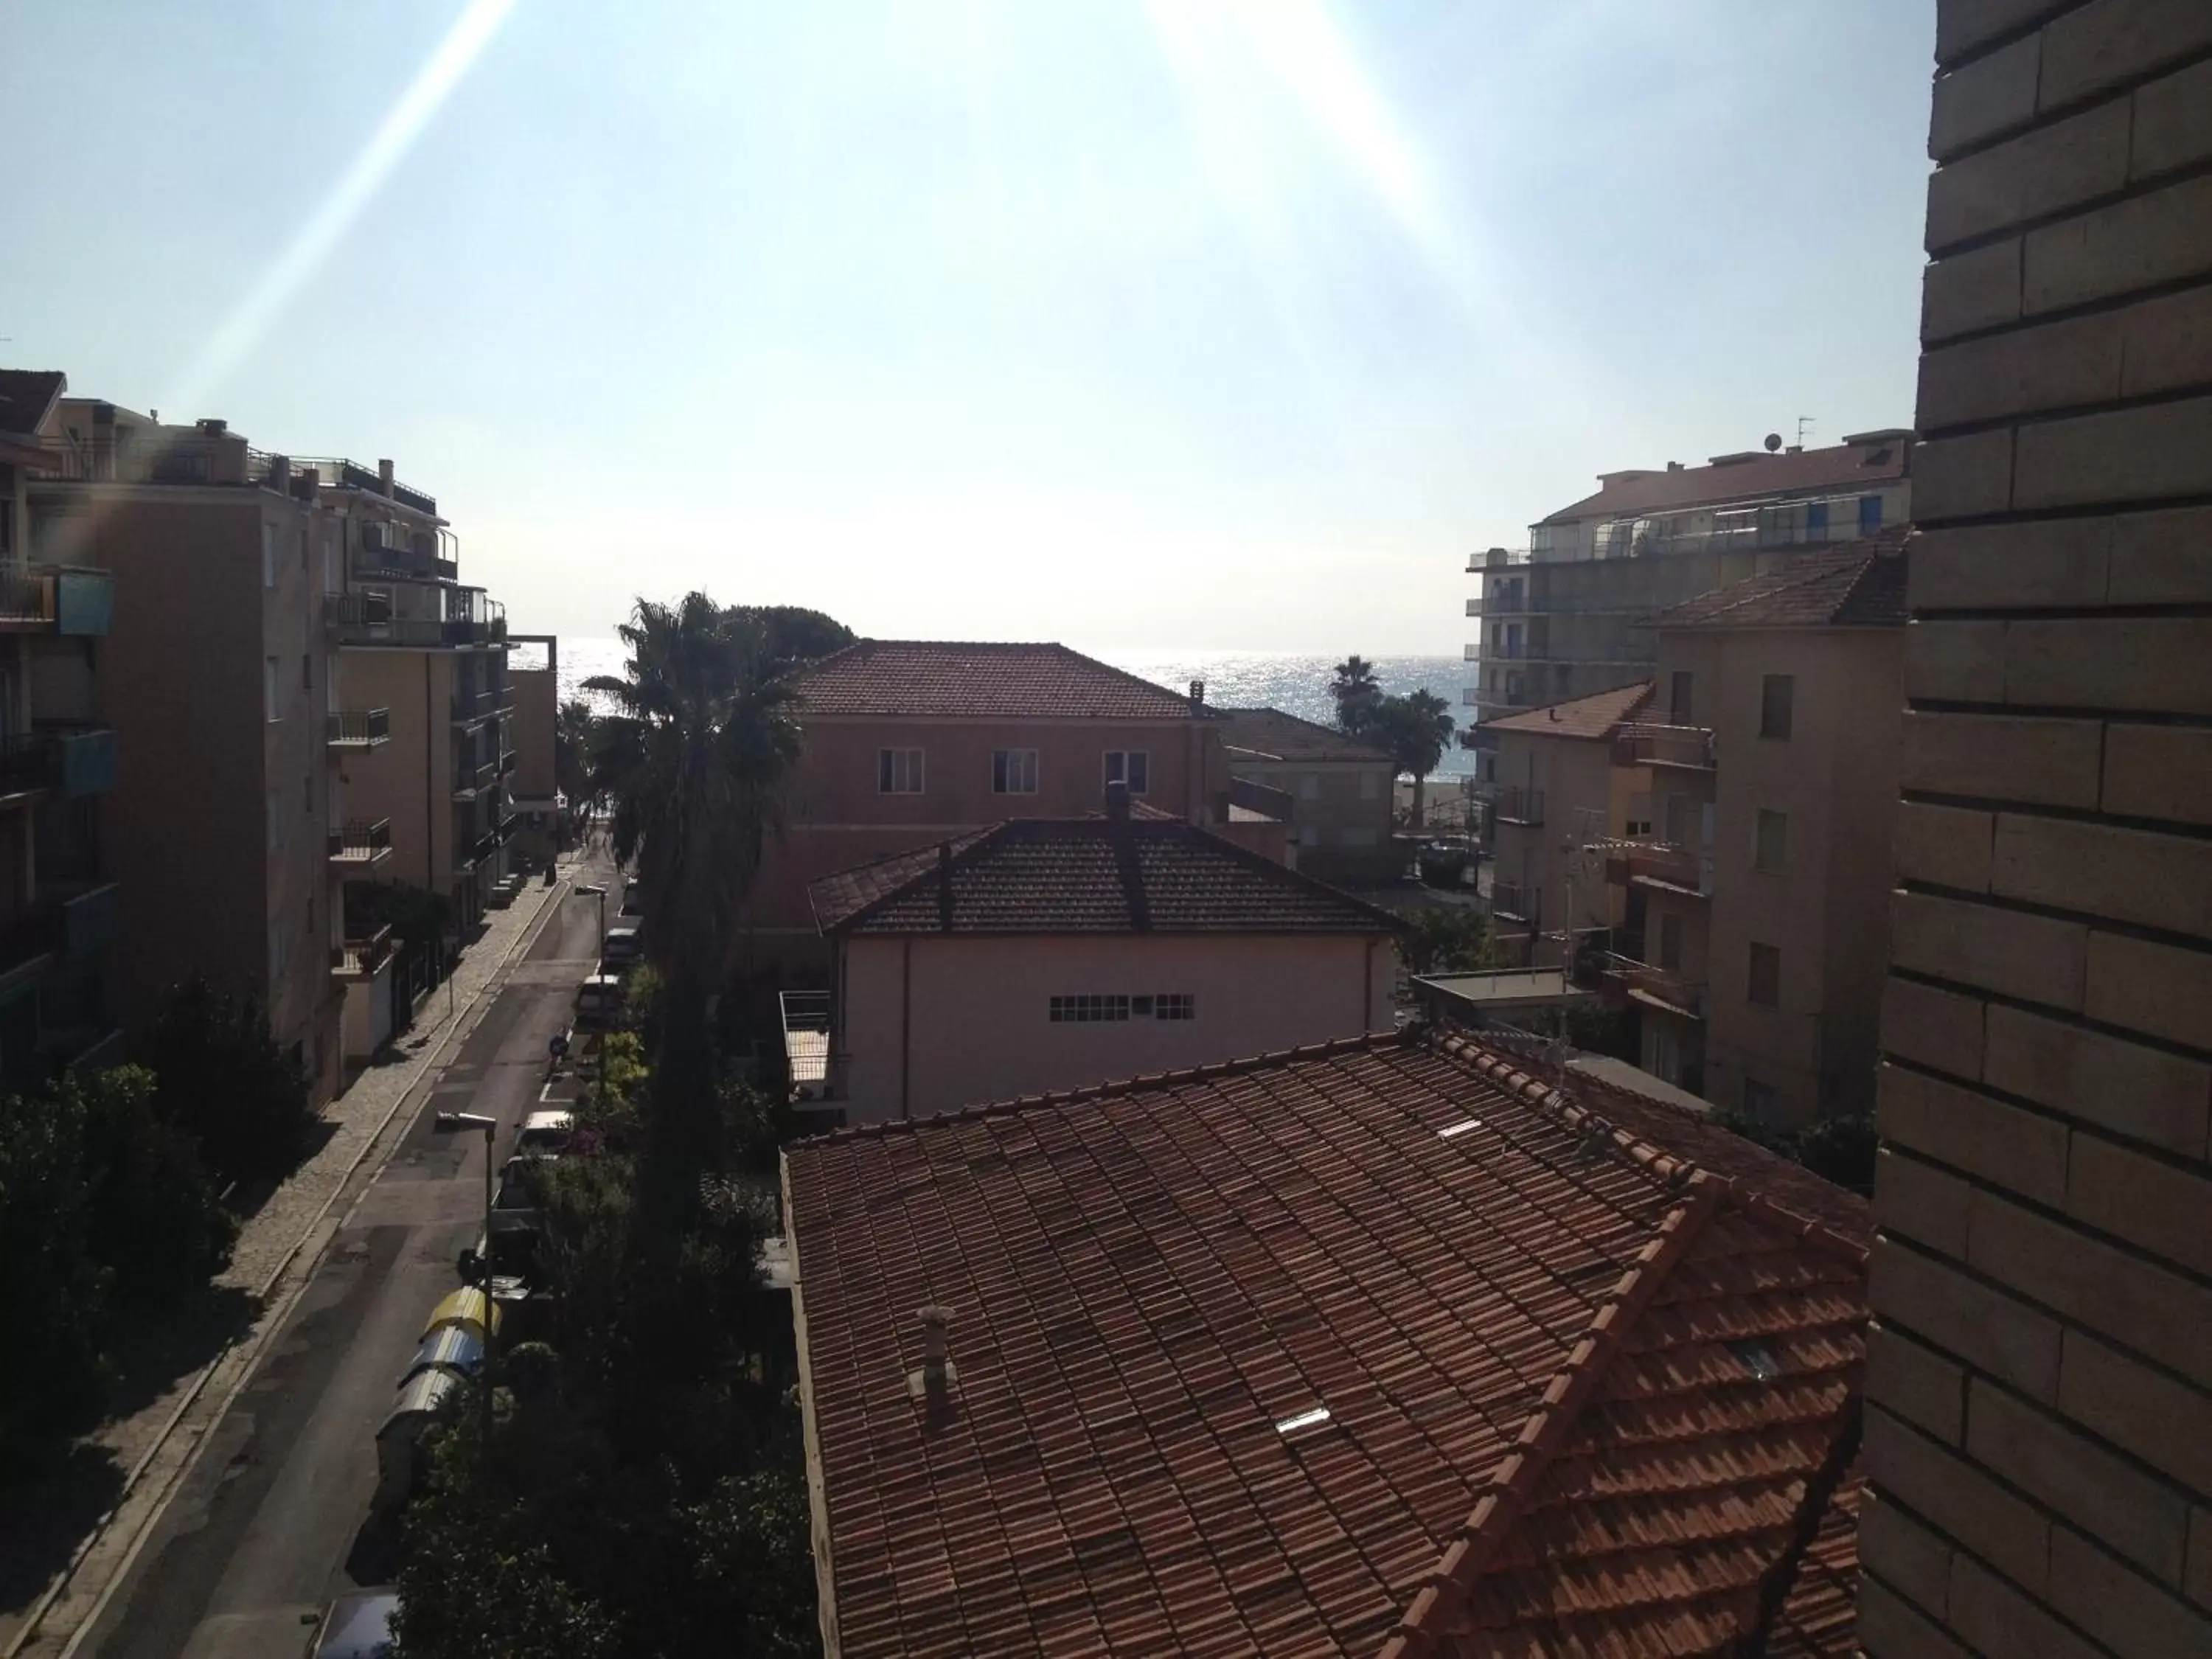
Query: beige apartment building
1754,927
533,789
2039,1430
1333,793
316,702
1568,616
58,902
1554,798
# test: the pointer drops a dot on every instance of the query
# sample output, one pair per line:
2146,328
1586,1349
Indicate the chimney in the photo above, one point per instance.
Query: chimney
938,1373
280,474
212,429
384,476
1118,801
1674,466
1553,711
944,886
1198,694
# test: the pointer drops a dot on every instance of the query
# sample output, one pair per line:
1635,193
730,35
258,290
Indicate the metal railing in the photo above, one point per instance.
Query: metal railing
1261,798
1676,865
1519,804
470,705
1497,558
1511,899
1643,743
357,728
507,761
362,842
359,958
347,474
1653,984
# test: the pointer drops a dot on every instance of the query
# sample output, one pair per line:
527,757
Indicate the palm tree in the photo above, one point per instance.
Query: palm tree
573,724
1415,730
1356,693
692,761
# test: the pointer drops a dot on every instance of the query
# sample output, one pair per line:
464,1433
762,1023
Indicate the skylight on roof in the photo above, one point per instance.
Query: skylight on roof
1758,1359
1458,1128
1312,1419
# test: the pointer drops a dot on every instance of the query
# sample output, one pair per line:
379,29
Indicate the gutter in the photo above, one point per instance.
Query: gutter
817,1492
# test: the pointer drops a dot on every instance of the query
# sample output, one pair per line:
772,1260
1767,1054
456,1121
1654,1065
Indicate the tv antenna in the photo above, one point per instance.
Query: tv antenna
1804,425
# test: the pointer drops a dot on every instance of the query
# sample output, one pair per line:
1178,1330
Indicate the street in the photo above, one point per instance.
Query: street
274,1518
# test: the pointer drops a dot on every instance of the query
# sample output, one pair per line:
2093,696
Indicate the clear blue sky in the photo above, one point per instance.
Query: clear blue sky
1174,325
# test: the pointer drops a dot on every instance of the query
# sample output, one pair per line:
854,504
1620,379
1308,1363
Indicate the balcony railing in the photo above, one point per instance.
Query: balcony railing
360,843
346,474
1643,744
66,598
508,758
77,760
470,706
1497,558
1515,902
1266,800
358,728
806,1038
1663,987
360,959
1676,866
1517,804
470,775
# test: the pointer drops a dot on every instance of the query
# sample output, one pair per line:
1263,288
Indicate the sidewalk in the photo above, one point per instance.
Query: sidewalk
275,1254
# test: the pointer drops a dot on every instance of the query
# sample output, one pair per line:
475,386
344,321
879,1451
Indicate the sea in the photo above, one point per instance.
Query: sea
1296,683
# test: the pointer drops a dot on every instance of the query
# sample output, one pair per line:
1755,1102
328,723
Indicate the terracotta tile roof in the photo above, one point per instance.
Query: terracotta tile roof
1583,1396
948,679
1857,585
1595,716
1152,874
1817,1620
1270,733
1839,467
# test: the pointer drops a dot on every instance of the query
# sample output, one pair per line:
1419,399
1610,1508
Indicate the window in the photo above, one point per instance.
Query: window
1762,1101
1309,834
1677,698
332,581
1869,514
1670,944
1764,989
1770,850
271,694
1308,786
1816,518
1013,771
1089,1009
1175,1005
268,555
1777,692
1131,766
898,771
276,824
307,672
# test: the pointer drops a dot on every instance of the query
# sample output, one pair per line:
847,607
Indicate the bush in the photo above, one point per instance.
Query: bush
155,1221
1446,938
223,1079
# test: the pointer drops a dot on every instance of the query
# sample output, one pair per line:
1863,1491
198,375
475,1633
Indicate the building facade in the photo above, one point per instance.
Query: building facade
1568,615
1756,907
533,789
2039,1430
1554,798
1335,794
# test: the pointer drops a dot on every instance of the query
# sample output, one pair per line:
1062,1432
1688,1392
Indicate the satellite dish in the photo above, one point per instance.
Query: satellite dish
1773,442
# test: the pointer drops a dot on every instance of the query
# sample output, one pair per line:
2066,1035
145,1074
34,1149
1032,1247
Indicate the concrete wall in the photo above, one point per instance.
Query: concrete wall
2039,1428
971,1012
1340,813
530,731
408,780
1583,792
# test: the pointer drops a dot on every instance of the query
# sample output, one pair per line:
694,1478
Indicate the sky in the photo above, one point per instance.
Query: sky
1171,323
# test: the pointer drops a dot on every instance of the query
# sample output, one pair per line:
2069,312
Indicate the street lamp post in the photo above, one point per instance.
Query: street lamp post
450,1122
599,891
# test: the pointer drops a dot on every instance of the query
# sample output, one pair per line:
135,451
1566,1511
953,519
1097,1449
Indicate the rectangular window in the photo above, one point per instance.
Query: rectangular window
307,672
1776,693
1816,518
1089,1009
1670,944
271,689
333,580
1175,1005
1131,766
1770,850
1013,771
1765,980
898,771
276,824
1762,1102
268,555
1677,698
1869,514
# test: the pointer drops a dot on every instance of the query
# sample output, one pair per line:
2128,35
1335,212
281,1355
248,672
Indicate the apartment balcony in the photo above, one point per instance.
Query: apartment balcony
59,599
372,619
1517,804
509,823
1510,900
1662,988
74,761
805,1016
69,921
1690,747
358,728
470,777
1660,864
360,958
1497,558
472,706
508,759
357,846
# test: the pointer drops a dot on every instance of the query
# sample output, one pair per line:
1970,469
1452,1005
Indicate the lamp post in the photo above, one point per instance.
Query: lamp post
599,891
449,1121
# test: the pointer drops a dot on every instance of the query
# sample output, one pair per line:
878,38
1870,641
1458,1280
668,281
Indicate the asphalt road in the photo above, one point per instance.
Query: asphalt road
274,1520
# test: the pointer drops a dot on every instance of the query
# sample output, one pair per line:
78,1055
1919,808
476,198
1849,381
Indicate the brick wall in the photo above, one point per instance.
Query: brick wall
2039,1390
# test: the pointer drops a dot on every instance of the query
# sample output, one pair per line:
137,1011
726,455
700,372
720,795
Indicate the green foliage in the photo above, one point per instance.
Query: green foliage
1840,1149
224,1081
751,1560
155,1221
1591,1027
1354,691
1446,938
1414,730
796,634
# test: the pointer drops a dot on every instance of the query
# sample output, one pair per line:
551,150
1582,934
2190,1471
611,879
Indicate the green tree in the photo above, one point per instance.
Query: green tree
796,634
53,1293
691,762
221,1078
1356,694
1414,730
1446,938
156,1223
573,732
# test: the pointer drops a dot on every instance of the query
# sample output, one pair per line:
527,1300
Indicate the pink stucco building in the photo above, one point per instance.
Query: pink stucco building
1043,954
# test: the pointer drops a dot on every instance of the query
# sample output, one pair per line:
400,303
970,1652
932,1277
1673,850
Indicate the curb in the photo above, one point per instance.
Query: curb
462,1022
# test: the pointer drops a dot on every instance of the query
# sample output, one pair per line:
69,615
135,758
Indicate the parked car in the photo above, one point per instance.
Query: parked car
544,1134
599,1000
633,902
624,947
358,1625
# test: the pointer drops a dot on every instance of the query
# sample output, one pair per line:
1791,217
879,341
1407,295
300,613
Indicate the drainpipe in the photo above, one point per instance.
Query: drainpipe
906,1020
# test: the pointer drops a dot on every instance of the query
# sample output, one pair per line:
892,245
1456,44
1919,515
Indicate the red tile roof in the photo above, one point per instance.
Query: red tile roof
952,680
1840,467
1857,585
1596,716
1579,1390
1152,874
1269,733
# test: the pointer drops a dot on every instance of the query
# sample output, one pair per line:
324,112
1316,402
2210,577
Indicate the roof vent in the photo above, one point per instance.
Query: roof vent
1308,1419
937,1374
1674,467
1449,1130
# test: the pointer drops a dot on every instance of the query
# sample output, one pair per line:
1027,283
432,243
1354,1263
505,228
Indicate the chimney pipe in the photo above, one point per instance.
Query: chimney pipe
1118,801
1198,694
384,476
944,887
936,1366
